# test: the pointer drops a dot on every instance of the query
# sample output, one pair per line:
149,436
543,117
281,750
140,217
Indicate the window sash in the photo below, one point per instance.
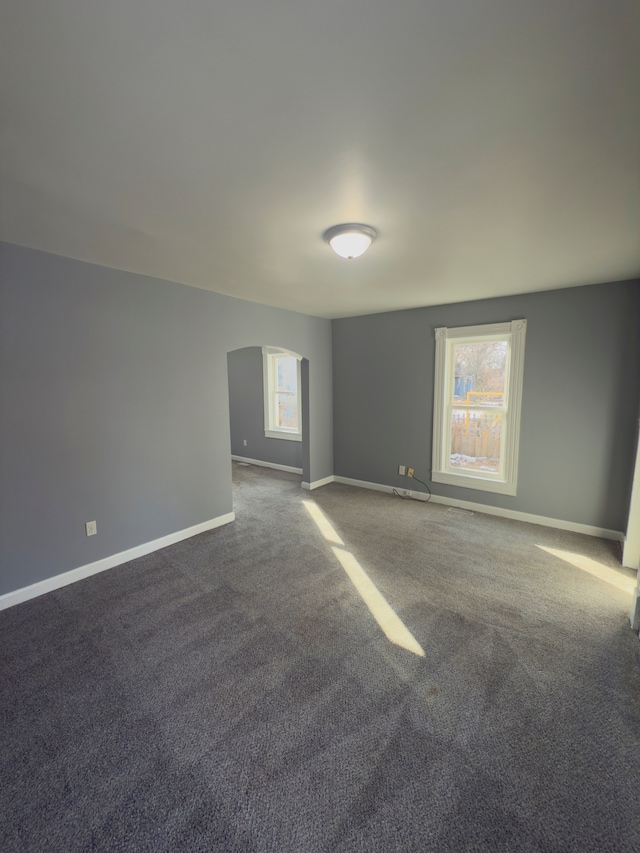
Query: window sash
471,438
274,391
451,406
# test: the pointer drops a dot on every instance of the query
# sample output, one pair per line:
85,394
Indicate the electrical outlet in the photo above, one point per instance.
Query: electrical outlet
244,441
401,470
406,493
92,528
410,472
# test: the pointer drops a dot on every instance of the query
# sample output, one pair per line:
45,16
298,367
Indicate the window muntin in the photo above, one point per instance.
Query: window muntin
478,390
282,395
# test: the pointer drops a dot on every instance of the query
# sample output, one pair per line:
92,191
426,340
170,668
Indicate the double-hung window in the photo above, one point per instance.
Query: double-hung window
282,395
477,401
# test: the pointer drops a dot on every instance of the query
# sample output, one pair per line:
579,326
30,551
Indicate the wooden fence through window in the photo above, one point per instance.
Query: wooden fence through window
478,437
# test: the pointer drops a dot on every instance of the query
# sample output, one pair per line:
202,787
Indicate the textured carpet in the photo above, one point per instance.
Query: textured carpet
234,693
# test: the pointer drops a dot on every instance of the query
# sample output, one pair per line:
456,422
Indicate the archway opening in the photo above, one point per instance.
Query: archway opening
268,409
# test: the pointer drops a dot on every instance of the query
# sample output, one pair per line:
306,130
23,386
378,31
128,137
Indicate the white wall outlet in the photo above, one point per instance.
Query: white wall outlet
401,470
410,472
244,441
92,528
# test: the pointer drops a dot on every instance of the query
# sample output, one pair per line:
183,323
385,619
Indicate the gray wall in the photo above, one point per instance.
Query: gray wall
114,406
580,403
246,410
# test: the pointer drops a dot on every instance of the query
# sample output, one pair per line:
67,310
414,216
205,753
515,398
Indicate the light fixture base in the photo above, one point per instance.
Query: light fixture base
350,239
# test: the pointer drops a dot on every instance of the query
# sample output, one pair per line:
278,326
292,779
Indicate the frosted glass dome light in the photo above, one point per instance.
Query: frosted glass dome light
351,239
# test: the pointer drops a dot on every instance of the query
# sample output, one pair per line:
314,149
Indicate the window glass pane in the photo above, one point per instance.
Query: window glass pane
475,440
479,374
287,410
286,373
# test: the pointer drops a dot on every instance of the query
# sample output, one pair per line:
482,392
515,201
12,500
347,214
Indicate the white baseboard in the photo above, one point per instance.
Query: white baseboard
316,484
364,484
262,464
559,524
49,584
530,518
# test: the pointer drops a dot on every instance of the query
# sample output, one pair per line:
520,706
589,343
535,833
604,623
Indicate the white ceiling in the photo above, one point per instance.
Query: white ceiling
495,144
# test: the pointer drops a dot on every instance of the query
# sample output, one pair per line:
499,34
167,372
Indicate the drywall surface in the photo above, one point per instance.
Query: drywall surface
115,407
246,410
580,398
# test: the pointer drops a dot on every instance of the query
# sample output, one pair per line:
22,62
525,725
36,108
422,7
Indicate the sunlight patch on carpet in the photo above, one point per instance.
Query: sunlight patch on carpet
322,522
392,625
593,567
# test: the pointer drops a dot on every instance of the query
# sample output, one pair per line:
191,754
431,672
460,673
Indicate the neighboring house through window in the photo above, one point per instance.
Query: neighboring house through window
282,394
477,401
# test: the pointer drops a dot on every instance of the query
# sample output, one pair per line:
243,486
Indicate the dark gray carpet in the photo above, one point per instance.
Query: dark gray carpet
233,692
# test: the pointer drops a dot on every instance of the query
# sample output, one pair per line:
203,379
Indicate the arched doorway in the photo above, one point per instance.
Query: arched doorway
252,441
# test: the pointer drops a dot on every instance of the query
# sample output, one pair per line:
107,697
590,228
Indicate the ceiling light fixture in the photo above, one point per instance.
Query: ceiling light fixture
351,239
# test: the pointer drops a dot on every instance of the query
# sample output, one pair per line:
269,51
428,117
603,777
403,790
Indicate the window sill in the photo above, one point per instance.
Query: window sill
288,436
464,481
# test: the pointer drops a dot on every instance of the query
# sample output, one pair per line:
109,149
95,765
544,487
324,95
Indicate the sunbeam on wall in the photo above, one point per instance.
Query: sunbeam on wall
592,567
393,627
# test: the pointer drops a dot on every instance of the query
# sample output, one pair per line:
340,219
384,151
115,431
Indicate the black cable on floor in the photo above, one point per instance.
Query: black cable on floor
409,498
426,487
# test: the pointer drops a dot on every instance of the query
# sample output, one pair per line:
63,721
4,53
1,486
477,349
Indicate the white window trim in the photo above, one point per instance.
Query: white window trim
441,472
270,430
